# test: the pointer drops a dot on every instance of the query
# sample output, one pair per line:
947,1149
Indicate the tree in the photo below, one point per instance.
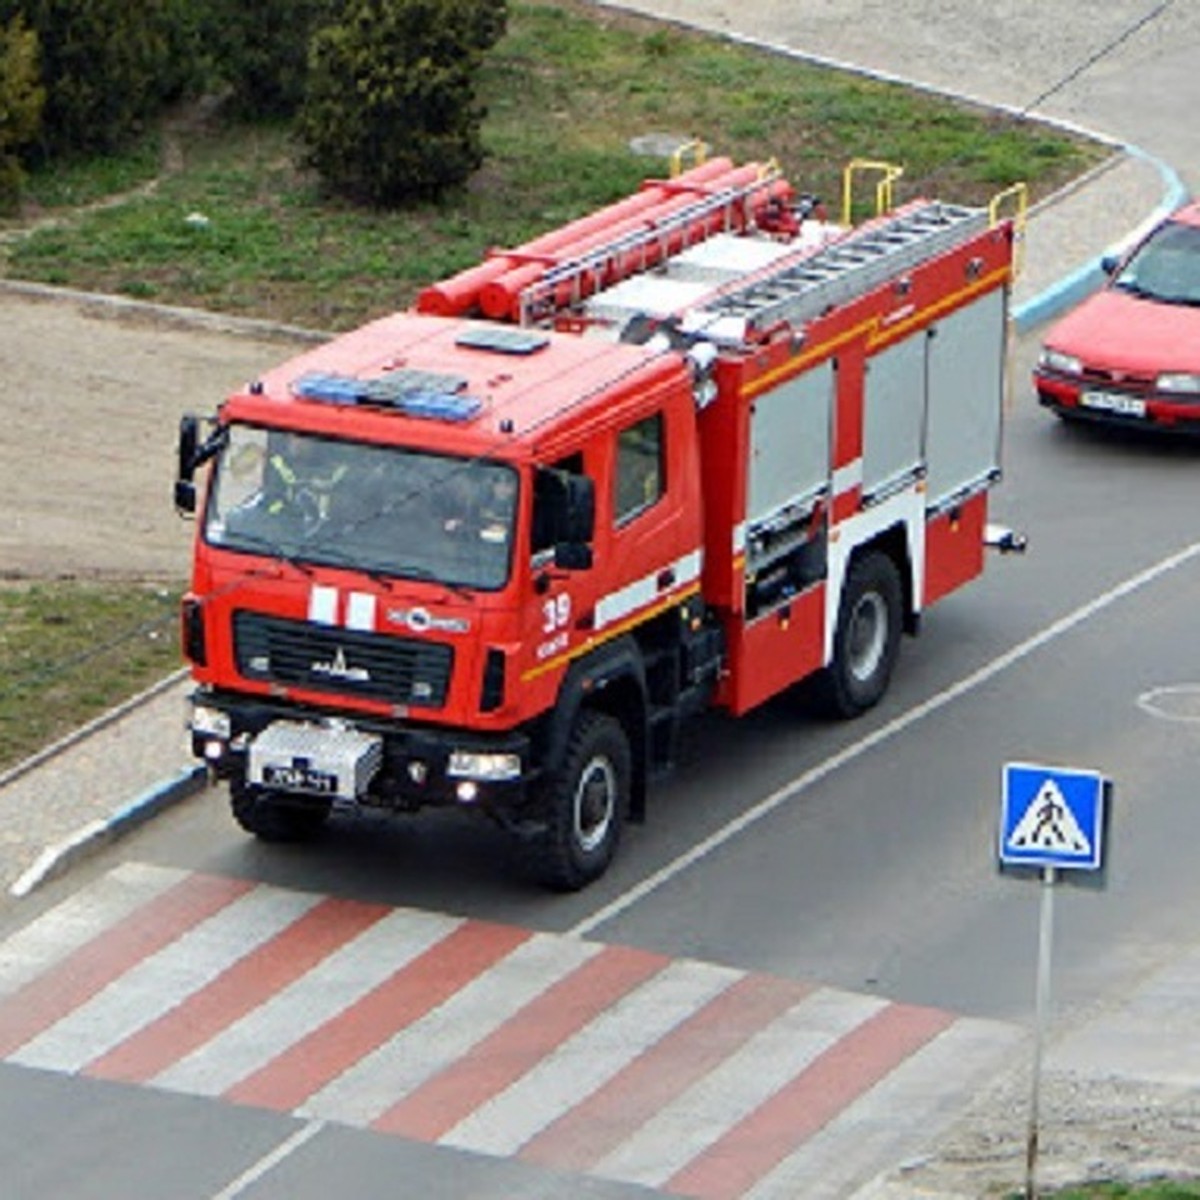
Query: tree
261,50
103,67
390,112
21,99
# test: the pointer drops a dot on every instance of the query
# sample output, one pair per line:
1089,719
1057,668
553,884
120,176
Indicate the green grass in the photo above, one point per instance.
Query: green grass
70,650
566,90
1157,1190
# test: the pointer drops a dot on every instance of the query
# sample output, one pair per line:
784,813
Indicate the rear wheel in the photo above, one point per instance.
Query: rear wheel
867,638
277,816
584,806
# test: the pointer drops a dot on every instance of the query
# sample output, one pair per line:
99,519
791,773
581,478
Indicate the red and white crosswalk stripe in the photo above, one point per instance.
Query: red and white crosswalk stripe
696,1079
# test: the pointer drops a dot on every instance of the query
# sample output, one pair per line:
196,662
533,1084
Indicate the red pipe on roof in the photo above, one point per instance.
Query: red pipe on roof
460,293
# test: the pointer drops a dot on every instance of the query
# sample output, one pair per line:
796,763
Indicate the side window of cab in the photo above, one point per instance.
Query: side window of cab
641,468
545,527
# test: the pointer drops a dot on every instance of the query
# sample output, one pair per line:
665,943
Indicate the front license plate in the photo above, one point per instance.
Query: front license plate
1112,402
299,779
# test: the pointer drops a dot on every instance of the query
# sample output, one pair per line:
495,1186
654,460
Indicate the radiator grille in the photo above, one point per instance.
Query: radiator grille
342,661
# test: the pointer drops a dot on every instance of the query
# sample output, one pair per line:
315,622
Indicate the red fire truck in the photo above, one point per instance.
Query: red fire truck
495,551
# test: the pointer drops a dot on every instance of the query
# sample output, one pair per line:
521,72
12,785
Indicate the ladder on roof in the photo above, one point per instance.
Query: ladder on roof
641,249
850,267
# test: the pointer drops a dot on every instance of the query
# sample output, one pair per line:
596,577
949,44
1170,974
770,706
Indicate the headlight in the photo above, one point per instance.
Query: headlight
468,764
211,721
1055,360
1178,381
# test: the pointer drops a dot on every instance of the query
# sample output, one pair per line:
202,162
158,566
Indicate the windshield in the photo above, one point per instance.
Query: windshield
1166,267
381,509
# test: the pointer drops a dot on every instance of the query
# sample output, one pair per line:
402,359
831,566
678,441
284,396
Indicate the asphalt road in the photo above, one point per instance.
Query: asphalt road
880,874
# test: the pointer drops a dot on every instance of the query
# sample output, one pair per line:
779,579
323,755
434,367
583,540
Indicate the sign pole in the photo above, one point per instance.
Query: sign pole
1045,947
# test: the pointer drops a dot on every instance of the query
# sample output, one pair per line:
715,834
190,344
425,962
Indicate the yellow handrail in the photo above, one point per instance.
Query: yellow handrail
1018,193
890,172
699,150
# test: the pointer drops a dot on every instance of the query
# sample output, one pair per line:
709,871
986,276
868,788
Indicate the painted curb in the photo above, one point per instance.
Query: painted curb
55,860
1084,280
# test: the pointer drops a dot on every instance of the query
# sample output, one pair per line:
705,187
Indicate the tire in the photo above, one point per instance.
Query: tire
277,816
867,639
584,807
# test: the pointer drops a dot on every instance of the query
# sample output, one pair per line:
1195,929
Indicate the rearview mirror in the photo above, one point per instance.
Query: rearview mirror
189,441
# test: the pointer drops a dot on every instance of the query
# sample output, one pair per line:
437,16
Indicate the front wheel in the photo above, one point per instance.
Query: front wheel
584,806
276,816
867,639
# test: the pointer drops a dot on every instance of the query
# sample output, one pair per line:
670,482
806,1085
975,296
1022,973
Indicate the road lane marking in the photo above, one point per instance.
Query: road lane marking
847,1070
338,981
677,1061
248,1178
232,993
42,1002
789,791
553,1051
405,996
433,1110
1177,702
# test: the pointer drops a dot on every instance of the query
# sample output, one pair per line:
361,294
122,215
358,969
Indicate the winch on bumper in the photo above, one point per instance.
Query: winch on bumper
378,764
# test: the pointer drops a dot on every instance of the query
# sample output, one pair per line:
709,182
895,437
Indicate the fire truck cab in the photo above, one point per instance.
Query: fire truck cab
494,552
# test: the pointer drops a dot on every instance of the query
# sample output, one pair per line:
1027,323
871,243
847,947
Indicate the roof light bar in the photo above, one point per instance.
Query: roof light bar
414,393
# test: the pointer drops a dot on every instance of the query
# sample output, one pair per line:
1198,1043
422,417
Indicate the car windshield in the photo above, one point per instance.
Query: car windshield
1166,267
384,510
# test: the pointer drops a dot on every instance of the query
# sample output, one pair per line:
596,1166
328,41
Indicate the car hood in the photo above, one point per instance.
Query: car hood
1117,330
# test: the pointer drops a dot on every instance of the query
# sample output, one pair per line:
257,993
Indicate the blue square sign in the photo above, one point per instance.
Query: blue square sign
1052,817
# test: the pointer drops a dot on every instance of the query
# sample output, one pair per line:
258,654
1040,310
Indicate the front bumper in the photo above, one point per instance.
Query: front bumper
357,761
1111,406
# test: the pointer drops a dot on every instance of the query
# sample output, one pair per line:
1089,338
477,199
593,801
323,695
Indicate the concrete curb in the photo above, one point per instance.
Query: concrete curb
95,725
1084,280
189,318
55,860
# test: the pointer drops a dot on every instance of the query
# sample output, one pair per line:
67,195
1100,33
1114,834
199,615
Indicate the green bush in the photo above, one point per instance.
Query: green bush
104,68
260,50
390,113
21,99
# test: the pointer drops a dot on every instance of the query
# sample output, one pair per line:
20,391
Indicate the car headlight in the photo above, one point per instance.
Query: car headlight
471,764
211,722
1178,381
1056,360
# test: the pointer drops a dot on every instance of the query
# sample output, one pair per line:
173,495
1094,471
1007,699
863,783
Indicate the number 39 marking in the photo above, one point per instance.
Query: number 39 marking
556,612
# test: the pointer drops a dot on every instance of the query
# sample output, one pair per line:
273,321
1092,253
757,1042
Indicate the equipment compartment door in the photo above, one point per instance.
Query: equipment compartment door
789,443
966,386
893,417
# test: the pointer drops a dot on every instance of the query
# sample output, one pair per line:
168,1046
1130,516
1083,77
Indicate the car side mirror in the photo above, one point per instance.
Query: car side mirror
1109,263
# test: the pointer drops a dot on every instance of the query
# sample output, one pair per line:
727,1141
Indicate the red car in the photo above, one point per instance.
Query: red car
1130,354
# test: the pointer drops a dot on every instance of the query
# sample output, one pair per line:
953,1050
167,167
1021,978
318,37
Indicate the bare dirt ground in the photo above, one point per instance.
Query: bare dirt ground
92,394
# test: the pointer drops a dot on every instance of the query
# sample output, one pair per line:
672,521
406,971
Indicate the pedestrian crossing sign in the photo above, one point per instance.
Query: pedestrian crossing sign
1052,817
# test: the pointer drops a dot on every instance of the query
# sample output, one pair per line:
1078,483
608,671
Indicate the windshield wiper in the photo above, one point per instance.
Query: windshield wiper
255,542
414,571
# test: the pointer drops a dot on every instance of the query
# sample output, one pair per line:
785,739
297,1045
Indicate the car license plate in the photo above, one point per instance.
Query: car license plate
1114,402
299,779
